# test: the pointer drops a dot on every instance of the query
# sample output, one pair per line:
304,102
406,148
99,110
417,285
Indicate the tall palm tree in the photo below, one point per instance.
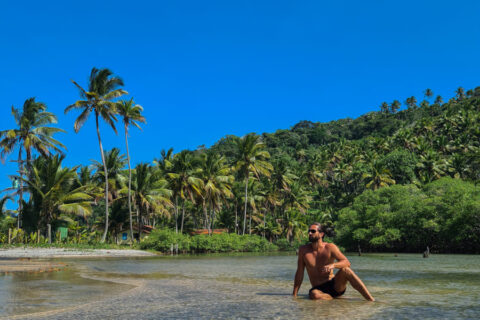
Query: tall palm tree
295,201
255,200
251,158
428,93
184,181
131,114
32,133
395,106
438,100
460,94
384,108
103,87
217,184
411,102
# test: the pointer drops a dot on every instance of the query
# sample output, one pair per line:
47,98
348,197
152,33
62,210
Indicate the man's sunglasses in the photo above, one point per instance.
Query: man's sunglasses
312,231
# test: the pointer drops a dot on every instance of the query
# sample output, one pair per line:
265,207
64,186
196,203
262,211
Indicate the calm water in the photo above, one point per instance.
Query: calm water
242,286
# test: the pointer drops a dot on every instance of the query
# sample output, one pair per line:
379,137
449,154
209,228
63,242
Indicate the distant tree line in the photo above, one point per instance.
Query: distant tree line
355,174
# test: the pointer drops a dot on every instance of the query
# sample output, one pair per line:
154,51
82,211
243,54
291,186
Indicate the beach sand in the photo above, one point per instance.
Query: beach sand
33,259
41,253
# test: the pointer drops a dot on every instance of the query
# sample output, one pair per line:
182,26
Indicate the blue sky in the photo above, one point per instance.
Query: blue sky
205,69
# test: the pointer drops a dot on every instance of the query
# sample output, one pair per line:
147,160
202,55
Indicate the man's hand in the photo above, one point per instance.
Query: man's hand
328,268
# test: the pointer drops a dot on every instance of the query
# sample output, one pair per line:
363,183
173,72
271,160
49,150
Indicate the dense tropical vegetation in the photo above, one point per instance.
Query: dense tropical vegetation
394,179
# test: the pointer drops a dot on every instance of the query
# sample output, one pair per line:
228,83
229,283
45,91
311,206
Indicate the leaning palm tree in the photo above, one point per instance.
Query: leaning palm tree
32,133
103,87
251,158
132,114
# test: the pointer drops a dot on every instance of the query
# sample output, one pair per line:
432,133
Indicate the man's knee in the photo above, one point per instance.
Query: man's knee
318,295
347,271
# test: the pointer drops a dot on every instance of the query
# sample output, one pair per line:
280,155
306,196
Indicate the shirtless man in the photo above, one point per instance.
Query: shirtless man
319,259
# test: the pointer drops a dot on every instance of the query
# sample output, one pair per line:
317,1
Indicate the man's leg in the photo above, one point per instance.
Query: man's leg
345,275
316,294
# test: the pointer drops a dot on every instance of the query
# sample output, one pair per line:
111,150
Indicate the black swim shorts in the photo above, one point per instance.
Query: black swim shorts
327,287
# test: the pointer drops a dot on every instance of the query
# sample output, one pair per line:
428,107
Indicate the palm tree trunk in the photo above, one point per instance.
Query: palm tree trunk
176,214
250,224
264,222
245,212
104,237
20,197
213,220
129,186
205,213
210,220
138,225
183,216
236,218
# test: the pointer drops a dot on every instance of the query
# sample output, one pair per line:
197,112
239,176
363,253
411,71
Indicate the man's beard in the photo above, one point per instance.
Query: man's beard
313,239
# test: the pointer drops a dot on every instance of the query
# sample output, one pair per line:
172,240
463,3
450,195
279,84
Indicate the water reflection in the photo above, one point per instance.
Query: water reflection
25,293
245,286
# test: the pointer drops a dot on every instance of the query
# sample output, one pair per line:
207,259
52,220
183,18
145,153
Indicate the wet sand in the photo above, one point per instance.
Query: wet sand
34,259
27,265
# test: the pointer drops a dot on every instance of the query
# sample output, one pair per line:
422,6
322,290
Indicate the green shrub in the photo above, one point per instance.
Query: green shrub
161,240
285,245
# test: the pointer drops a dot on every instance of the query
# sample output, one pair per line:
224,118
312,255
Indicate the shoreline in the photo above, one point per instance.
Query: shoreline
47,253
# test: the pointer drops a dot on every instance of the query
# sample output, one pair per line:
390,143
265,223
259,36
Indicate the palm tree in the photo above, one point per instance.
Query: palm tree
438,100
460,94
165,162
251,158
115,162
411,102
149,192
430,166
428,93
53,190
378,177
184,181
395,106
216,186
295,201
103,87
132,114
32,132
270,197
384,108
255,200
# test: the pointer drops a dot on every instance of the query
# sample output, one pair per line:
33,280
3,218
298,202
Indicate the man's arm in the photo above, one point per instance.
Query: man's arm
342,261
299,273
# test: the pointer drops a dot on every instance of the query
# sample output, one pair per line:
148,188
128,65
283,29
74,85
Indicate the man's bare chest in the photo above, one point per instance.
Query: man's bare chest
317,259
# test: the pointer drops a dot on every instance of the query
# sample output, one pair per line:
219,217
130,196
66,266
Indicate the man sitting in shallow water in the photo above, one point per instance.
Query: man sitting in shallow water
319,259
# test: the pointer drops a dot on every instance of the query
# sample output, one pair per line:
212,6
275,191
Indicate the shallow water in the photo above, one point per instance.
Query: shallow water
243,286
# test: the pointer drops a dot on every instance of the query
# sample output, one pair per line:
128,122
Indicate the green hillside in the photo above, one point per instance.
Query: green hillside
338,161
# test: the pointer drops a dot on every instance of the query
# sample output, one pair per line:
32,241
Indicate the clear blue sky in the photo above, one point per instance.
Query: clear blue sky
205,69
